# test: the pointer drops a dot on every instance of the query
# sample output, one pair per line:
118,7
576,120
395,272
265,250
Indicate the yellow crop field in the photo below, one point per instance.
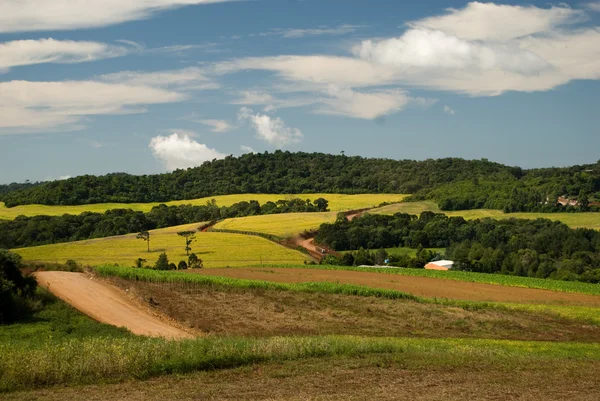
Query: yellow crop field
282,225
215,249
574,220
337,202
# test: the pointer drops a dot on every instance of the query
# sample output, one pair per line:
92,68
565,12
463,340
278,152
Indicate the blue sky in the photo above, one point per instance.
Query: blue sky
147,86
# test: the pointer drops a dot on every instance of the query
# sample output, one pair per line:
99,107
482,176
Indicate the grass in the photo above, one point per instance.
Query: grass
54,320
337,202
112,360
215,249
281,225
574,220
484,278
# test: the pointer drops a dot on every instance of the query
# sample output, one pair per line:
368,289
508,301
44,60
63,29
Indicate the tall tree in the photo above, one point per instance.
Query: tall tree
190,236
145,235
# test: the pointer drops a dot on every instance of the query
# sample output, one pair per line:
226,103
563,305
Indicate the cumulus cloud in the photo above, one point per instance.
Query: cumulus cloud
246,149
449,110
30,106
46,15
594,6
489,21
29,52
270,129
431,49
217,125
178,151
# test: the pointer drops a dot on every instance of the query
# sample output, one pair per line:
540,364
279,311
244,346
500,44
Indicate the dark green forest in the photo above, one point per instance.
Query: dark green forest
536,248
40,230
454,183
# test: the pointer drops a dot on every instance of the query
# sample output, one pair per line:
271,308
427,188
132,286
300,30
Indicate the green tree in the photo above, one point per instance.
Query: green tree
190,236
194,262
15,289
145,235
182,265
162,263
139,263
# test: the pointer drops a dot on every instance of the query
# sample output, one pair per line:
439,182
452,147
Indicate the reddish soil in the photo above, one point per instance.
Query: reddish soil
420,286
106,303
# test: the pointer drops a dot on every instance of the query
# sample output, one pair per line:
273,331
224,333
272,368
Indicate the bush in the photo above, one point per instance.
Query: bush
16,290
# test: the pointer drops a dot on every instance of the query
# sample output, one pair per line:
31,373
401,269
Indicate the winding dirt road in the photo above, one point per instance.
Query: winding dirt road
106,304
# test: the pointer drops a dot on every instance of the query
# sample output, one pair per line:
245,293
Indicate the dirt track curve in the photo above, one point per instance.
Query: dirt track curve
106,304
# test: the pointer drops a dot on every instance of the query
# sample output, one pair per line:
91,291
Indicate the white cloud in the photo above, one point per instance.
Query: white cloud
270,129
449,110
191,78
247,149
30,106
368,105
480,50
420,49
28,52
271,103
179,151
489,21
594,6
217,125
46,15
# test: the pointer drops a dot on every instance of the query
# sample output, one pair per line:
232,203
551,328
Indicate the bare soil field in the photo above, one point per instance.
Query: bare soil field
258,312
106,303
420,286
372,378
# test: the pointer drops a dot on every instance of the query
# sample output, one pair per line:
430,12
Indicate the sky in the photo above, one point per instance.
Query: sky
148,86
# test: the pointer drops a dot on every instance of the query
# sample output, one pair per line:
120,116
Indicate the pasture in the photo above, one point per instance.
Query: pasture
574,220
215,249
281,225
337,202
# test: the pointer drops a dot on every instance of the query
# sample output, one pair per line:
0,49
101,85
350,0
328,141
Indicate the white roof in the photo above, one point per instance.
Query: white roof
443,263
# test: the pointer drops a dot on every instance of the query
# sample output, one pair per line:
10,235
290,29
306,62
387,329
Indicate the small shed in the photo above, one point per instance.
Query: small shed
439,265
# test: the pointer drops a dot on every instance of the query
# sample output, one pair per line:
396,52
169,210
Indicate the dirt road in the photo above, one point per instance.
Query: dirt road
420,286
106,304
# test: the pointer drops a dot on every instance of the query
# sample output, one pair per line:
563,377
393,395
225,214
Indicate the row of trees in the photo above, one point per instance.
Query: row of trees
39,230
162,263
454,183
537,248
381,257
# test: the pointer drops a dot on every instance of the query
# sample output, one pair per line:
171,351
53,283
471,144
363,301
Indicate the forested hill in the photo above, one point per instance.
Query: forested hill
284,172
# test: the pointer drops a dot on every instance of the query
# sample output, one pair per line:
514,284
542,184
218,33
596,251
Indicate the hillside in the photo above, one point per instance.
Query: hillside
454,183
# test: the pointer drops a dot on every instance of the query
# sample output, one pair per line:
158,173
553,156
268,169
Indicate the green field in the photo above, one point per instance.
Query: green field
215,249
574,220
337,202
281,225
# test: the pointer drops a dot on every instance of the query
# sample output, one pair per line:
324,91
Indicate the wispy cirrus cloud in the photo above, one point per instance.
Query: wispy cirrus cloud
29,52
218,126
296,33
49,15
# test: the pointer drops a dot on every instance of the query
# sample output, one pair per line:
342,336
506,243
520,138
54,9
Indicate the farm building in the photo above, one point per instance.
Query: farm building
439,265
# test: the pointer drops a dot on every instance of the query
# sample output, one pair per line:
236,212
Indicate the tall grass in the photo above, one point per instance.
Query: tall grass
157,276
110,360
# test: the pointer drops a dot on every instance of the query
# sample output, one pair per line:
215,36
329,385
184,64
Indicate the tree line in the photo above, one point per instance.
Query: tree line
40,230
452,182
535,248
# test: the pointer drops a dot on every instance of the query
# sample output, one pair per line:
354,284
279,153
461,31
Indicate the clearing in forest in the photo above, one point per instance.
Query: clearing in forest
337,202
282,225
215,249
573,220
